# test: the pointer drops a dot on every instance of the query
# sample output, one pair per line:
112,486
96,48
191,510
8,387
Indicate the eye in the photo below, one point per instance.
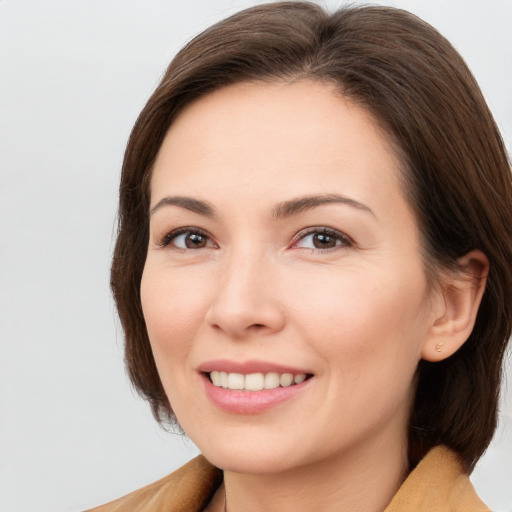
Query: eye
322,238
186,239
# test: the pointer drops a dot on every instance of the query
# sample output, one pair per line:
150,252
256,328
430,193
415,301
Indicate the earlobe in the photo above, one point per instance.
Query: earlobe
459,295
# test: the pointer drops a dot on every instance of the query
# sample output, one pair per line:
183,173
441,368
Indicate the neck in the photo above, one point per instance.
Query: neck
364,480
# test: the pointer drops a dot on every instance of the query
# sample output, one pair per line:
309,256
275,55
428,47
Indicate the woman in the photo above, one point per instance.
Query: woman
312,265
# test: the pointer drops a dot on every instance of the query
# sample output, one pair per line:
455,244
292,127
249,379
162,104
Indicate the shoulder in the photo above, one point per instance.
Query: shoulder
188,488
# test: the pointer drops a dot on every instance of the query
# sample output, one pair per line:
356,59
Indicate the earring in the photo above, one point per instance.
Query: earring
438,347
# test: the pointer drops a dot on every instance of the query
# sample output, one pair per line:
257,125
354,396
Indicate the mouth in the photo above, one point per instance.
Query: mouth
252,386
255,381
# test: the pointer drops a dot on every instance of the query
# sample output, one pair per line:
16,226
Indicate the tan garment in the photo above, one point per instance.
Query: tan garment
437,484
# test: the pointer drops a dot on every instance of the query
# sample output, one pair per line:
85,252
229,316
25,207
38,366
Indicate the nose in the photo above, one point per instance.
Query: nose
246,300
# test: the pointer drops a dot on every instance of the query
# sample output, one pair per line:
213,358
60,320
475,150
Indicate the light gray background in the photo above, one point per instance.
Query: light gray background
73,76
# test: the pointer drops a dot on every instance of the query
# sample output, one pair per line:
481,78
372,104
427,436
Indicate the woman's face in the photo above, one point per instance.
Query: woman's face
282,247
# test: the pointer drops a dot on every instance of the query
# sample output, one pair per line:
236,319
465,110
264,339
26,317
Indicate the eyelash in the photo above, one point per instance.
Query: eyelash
337,235
170,237
344,240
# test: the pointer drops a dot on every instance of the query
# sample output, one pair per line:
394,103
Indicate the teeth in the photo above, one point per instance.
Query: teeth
236,381
286,380
215,376
271,380
255,381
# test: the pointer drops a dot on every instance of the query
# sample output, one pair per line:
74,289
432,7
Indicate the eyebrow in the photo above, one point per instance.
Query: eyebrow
194,205
281,210
301,204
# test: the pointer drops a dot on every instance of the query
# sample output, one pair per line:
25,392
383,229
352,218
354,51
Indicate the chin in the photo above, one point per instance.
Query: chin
248,462
250,453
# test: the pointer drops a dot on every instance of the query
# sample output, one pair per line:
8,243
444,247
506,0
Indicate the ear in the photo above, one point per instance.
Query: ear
455,306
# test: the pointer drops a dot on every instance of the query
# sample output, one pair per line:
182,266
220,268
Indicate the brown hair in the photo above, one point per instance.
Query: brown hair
456,175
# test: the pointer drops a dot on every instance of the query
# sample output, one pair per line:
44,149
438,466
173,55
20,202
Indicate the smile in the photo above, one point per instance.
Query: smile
255,381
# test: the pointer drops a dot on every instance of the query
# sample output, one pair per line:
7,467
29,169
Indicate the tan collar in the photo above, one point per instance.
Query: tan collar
438,484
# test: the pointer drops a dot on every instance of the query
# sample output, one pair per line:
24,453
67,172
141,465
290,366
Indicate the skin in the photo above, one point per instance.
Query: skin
358,315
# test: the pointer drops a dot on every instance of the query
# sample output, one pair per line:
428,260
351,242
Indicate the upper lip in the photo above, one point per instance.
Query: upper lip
248,367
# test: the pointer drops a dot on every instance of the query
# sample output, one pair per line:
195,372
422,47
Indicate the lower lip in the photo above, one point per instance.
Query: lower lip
251,402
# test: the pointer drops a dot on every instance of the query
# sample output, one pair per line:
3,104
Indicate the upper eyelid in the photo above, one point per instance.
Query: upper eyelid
321,229
169,236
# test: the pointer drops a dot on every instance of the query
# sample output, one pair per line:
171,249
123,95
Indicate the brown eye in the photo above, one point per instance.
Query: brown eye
187,239
322,238
323,241
195,241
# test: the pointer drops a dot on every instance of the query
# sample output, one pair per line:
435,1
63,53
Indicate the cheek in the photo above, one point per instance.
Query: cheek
172,307
374,320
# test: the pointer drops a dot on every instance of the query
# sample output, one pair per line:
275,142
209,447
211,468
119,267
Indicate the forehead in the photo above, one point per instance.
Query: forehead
277,137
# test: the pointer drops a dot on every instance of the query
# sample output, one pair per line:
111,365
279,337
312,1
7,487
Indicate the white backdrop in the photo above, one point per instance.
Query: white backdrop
73,76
